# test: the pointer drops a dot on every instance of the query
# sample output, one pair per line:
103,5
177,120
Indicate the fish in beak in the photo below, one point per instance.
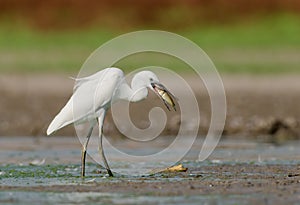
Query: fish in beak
166,96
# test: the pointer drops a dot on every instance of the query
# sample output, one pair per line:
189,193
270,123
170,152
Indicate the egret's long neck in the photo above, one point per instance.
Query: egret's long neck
134,93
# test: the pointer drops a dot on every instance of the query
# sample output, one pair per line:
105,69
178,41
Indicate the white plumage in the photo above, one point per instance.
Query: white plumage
93,95
90,94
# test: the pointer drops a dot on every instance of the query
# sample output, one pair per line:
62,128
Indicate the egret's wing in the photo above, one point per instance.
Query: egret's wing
96,93
81,81
91,94
96,76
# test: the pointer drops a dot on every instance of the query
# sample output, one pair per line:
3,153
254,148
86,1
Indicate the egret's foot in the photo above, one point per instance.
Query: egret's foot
110,173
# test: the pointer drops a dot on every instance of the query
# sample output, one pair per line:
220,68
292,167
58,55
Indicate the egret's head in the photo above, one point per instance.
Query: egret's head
150,80
144,79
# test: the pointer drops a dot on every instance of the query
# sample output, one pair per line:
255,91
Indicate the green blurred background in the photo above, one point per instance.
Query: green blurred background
241,36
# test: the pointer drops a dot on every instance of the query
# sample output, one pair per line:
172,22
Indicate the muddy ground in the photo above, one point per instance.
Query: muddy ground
272,184
47,171
261,109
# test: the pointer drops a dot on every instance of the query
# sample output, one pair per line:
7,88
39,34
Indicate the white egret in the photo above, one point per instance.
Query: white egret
94,95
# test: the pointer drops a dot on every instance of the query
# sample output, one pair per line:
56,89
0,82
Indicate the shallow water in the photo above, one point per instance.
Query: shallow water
59,150
56,161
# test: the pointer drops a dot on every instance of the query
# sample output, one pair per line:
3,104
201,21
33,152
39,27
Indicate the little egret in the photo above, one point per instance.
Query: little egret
93,96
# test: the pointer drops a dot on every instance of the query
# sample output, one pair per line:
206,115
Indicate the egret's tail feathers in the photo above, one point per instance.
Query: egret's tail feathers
56,124
62,119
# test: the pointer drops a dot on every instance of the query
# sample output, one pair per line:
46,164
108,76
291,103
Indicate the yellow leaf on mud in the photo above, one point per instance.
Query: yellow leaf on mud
176,168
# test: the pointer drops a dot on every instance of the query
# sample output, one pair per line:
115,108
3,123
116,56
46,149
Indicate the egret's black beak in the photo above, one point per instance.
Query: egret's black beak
166,96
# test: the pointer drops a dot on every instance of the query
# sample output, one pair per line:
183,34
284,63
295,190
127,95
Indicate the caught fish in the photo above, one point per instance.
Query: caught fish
166,96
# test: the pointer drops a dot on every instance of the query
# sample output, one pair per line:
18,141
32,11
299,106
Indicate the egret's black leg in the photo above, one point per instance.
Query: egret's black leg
101,151
83,151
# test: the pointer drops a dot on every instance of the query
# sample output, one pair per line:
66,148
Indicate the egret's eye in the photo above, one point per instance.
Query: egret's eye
151,79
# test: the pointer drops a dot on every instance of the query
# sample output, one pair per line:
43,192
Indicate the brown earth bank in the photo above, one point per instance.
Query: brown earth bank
264,107
64,14
276,184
